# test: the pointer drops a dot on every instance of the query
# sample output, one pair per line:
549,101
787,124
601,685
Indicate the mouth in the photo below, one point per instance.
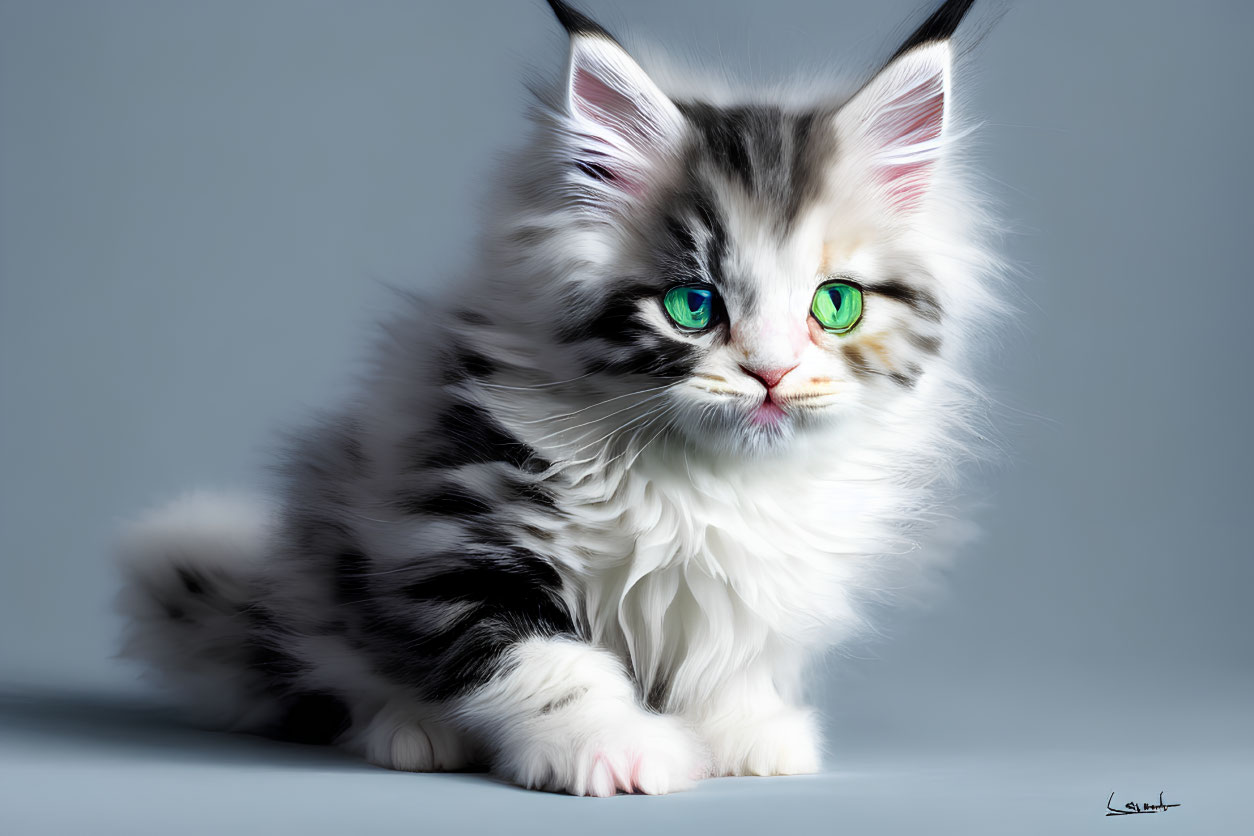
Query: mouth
767,414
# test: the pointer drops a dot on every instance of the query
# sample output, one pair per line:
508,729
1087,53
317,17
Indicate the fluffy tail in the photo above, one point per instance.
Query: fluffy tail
192,577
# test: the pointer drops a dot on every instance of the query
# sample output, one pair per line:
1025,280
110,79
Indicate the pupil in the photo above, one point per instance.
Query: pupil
836,296
695,301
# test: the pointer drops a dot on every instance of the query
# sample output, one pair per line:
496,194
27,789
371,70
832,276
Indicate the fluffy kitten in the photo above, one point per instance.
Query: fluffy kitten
588,529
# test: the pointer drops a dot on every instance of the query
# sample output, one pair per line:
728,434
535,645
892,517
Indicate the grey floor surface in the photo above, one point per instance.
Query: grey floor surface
118,764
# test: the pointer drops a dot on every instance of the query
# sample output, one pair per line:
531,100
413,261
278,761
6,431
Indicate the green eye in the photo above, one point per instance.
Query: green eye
837,306
690,307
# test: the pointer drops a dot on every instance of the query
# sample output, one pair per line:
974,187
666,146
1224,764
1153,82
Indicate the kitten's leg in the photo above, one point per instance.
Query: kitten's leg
563,715
751,730
489,638
412,737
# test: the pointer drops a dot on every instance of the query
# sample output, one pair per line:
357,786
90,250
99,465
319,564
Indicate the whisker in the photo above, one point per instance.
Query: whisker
620,428
652,417
626,423
487,385
665,426
603,417
595,405
800,399
734,392
641,430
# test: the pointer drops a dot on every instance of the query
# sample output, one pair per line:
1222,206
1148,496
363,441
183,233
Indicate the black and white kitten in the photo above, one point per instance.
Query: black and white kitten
588,527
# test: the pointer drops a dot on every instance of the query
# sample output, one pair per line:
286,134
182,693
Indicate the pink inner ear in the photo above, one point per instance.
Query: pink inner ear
607,106
906,127
628,131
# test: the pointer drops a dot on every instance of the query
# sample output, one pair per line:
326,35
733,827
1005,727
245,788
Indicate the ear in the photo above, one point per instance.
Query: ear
899,121
622,128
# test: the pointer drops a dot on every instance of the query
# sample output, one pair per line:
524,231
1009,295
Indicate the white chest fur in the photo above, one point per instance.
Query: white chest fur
692,570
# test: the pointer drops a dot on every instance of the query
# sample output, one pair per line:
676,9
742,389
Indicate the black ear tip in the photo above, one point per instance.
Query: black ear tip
939,27
576,22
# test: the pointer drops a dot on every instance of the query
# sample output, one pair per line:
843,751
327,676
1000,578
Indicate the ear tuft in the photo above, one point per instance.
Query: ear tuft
940,26
576,22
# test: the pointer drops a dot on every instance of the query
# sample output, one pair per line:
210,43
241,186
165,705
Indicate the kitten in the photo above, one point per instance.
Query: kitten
589,528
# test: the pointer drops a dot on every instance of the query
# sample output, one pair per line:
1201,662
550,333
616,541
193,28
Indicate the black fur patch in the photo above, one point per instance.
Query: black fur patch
192,581
618,322
940,26
488,581
706,211
447,500
506,596
777,156
576,22
487,533
266,655
316,719
682,258
464,363
668,364
468,434
743,141
924,303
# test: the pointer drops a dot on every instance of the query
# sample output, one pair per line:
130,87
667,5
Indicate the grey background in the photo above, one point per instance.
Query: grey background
201,203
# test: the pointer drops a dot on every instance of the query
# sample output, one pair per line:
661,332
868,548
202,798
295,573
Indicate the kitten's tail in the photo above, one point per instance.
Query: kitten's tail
192,577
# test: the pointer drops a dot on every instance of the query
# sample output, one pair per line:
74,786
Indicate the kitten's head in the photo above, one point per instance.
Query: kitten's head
775,268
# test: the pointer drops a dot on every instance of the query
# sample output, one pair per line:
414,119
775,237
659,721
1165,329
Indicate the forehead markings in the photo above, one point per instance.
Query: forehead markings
776,156
697,235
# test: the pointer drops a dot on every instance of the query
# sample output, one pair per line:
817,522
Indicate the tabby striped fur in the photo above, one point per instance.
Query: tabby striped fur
557,534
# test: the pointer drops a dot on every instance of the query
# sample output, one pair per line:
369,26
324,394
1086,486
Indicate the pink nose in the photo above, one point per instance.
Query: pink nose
769,378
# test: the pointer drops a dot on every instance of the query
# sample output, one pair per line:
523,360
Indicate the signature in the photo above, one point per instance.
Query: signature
1132,808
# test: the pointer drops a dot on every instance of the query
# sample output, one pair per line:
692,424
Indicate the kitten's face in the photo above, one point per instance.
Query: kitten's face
793,300
767,368
763,271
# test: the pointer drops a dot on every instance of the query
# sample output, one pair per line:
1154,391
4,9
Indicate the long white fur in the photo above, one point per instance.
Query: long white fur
714,564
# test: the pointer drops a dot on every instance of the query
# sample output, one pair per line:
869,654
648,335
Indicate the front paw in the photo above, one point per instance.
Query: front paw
784,741
601,750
